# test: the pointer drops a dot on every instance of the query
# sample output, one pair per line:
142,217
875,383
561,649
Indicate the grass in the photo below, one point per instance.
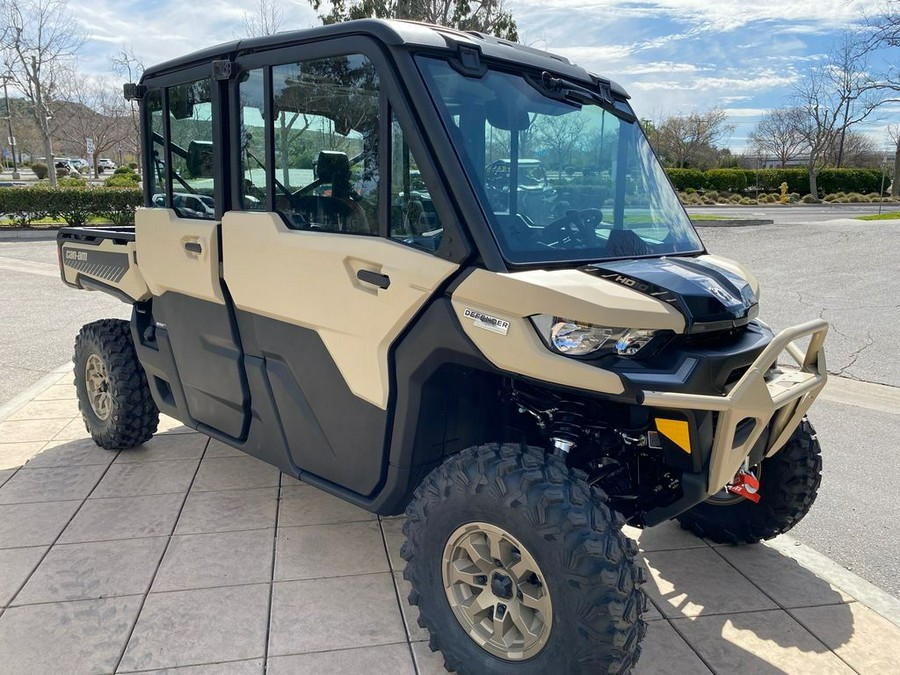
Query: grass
893,215
697,216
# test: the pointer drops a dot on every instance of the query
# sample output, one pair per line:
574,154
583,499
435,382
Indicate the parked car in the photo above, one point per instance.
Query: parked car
104,164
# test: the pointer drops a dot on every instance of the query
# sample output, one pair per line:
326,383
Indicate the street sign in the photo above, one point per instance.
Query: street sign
11,140
90,146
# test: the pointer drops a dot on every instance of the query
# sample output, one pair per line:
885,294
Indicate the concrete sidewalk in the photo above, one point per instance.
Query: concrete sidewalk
188,553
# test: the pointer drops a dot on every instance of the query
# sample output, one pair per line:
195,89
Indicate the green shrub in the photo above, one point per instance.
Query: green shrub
734,199
118,204
133,166
809,199
727,180
40,170
75,205
849,180
855,198
123,169
746,201
122,180
72,182
22,204
690,190
683,179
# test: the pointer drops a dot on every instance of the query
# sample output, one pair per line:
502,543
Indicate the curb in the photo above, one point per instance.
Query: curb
28,235
736,222
10,407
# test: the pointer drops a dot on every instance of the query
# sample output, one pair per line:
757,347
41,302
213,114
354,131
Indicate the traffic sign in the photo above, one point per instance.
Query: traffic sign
90,146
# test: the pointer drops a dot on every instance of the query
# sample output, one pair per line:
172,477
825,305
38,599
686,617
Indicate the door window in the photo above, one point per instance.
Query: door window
190,149
326,144
253,139
156,177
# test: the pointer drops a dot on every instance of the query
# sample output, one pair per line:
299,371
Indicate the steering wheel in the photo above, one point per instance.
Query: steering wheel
576,225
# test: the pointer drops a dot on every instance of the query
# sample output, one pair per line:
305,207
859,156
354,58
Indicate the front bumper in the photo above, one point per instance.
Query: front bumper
777,404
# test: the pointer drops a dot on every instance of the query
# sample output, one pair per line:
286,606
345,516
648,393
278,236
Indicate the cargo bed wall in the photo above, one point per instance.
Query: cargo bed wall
102,259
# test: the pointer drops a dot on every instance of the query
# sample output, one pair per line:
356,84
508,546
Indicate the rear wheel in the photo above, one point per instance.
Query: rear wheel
518,566
788,485
113,395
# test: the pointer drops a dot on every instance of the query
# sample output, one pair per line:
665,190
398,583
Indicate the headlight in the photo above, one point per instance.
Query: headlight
575,338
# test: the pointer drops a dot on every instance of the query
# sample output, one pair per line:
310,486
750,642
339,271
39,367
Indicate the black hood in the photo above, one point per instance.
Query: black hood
710,297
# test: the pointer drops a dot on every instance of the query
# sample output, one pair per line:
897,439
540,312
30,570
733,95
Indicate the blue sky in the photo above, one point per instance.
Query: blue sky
673,56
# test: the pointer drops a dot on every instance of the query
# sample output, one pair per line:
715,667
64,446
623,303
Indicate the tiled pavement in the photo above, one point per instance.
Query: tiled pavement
185,554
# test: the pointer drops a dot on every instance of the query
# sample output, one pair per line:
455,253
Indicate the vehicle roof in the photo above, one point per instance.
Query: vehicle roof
396,34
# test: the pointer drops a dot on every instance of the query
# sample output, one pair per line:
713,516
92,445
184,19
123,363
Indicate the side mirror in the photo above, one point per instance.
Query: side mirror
200,159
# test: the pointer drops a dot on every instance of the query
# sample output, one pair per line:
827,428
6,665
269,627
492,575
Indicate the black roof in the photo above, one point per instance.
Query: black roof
392,34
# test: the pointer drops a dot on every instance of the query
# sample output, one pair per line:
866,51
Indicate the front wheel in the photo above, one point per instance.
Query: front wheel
519,567
113,395
788,484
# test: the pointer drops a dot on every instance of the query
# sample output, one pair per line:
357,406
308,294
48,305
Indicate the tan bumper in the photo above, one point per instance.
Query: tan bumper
779,403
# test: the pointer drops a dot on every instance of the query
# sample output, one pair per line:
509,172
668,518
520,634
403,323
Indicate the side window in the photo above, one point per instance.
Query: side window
191,149
156,143
253,141
414,220
326,144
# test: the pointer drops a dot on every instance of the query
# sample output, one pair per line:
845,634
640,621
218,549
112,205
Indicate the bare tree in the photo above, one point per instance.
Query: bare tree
485,16
94,109
38,37
266,20
688,139
125,64
834,97
561,135
778,133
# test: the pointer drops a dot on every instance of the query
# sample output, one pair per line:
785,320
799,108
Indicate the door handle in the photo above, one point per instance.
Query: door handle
193,247
374,278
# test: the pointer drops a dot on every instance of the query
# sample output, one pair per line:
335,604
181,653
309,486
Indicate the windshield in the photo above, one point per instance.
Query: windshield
560,181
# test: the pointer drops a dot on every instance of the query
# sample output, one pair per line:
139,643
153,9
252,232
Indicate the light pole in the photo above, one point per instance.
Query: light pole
12,139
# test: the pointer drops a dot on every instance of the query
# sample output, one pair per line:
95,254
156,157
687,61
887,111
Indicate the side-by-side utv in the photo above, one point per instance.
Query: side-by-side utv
437,272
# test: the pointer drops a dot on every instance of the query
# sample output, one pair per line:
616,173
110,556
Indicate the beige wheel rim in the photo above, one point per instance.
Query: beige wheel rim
497,591
96,381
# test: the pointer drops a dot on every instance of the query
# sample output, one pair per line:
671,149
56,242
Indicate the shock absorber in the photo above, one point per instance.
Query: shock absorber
566,426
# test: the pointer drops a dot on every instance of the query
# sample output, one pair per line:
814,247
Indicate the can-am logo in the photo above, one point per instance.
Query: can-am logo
76,255
491,323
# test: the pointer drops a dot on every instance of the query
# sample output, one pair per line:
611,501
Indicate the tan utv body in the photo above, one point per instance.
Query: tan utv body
327,275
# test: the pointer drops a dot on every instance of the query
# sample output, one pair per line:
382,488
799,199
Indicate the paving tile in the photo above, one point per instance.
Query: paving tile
666,653
781,578
58,392
94,570
307,505
410,613
171,446
22,431
51,485
46,410
72,453
14,455
15,566
767,643
652,613
664,537
227,510
386,660
221,559
868,642
329,551
86,636
697,581
72,431
394,538
326,614
252,667
34,524
123,518
198,627
68,378
6,474
219,449
235,473
146,478
427,661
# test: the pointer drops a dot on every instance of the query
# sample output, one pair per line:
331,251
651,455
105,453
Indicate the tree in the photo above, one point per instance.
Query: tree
560,135
484,16
690,140
778,133
894,132
38,38
832,98
94,109
266,20
126,65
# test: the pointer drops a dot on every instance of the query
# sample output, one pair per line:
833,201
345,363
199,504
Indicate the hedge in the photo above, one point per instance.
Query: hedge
73,204
770,180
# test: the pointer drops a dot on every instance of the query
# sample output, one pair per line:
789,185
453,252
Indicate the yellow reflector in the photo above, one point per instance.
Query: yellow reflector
676,431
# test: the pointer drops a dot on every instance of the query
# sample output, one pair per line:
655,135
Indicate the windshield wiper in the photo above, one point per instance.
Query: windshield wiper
566,90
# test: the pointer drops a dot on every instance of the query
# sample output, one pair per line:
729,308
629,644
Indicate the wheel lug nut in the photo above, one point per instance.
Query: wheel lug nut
497,563
481,580
500,611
